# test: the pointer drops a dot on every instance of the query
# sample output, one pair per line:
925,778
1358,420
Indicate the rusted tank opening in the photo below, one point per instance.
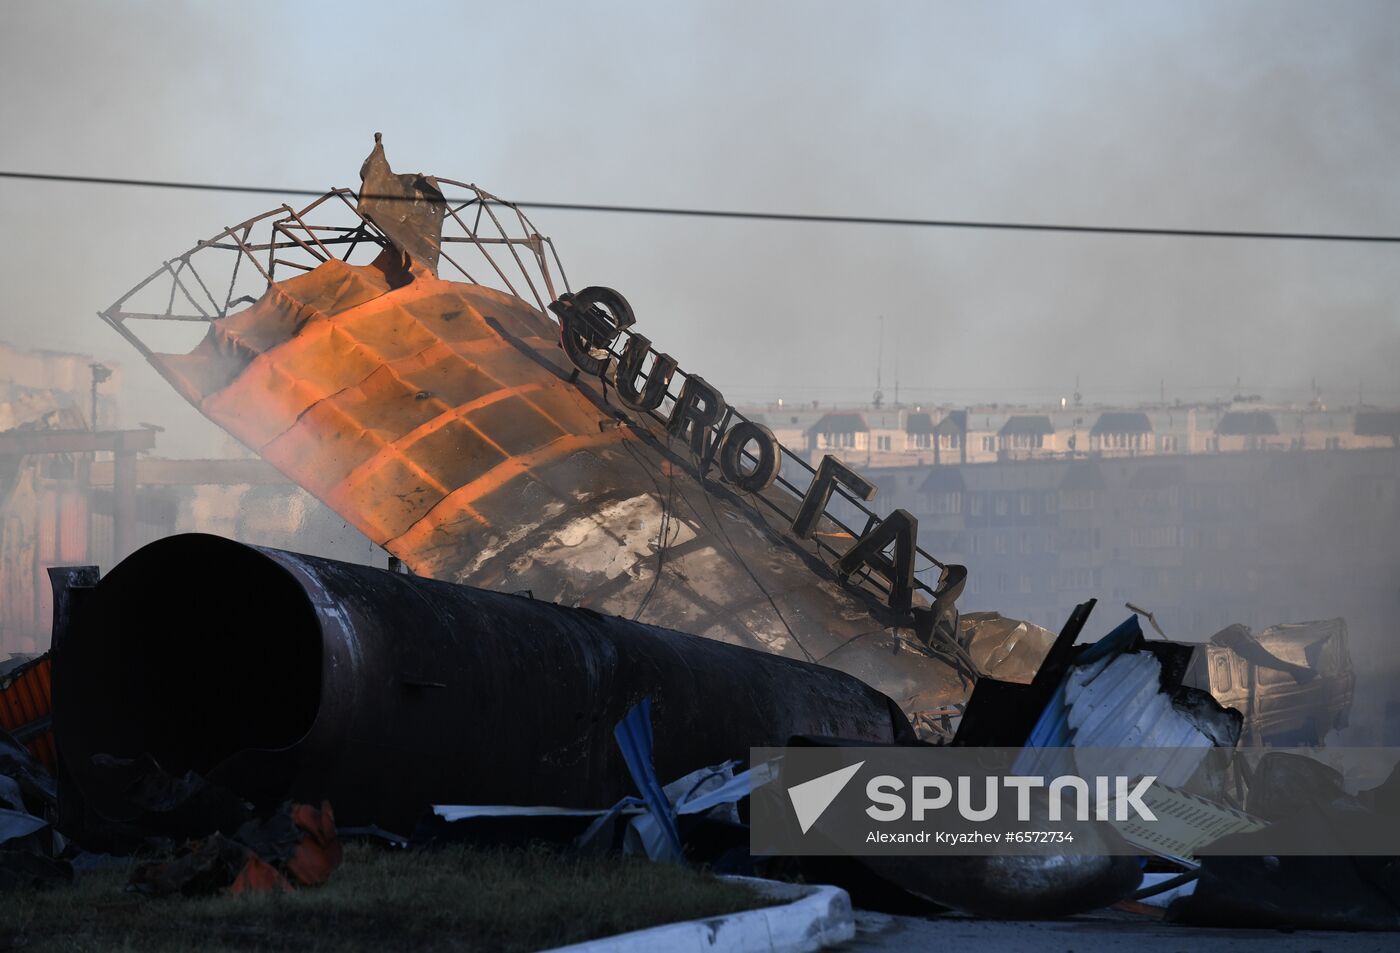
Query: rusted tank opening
192,664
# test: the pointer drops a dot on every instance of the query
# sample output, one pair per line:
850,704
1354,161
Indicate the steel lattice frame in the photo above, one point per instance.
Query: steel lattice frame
298,240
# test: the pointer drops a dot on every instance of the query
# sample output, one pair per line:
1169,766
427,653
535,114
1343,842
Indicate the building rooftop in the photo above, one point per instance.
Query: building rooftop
1248,423
1027,425
1377,423
840,422
1121,421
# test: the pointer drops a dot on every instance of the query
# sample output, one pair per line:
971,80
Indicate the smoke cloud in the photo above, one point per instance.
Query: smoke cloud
1261,115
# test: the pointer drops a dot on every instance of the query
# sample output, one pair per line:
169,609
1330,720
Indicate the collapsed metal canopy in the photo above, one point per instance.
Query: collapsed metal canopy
441,419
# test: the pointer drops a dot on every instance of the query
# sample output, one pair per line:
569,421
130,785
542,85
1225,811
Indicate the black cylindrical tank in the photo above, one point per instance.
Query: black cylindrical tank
279,674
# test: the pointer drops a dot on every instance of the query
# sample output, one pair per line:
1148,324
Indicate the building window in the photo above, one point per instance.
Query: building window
1079,578
976,504
1022,441
1155,537
945,503
882,443
1001,505
989,444
1077,500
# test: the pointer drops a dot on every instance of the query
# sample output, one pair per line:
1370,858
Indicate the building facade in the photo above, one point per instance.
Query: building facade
1205,516
905,436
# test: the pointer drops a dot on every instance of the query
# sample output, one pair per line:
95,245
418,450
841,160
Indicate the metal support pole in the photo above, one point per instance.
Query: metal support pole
123,501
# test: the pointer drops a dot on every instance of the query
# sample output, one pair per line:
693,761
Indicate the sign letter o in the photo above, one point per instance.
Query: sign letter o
731,462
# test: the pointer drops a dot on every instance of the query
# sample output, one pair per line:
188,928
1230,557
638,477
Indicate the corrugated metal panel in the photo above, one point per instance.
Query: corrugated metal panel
73,526
1115,701
26,699
48,523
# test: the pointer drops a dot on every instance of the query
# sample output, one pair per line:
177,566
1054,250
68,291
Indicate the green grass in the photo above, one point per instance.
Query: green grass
456,899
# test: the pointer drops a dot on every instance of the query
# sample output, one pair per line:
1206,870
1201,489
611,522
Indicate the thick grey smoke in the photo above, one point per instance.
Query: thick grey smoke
1251,115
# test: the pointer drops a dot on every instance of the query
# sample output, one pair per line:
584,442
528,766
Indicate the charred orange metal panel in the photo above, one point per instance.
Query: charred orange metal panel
440,419
391,402
26,700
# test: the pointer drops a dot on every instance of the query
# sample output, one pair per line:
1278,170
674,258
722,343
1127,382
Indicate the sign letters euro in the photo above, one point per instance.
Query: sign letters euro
749,457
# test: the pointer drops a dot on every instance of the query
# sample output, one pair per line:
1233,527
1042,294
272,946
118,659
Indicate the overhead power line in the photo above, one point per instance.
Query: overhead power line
757,216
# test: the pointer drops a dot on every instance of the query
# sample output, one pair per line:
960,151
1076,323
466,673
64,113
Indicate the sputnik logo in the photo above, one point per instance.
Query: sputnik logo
810,799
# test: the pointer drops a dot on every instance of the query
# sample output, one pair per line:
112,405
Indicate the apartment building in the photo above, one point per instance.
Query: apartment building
1203,540
912,436
1206,515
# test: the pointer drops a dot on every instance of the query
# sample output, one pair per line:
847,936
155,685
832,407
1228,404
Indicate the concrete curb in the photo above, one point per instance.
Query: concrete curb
811,917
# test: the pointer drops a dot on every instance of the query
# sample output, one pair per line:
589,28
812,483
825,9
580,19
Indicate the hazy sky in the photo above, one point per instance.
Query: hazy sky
1270,115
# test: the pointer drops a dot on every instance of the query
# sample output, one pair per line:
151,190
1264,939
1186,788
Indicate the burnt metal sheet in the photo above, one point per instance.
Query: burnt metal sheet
26,707
1294,682
442,419
408,208
1009,650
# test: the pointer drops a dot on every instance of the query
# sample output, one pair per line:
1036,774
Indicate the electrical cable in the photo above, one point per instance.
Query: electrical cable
1253,234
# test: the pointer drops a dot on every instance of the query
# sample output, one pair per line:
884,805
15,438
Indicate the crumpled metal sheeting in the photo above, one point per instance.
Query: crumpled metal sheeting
1299,642
27,842
1261,890
1117,703
18,824
439,419
26,705
1114,698
1009,650
385,405
27,779
296,846
1251,648
408,207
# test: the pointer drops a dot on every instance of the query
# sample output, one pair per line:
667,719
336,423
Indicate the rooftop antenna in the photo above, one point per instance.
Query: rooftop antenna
101,373
879,362
897,405
1078,397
